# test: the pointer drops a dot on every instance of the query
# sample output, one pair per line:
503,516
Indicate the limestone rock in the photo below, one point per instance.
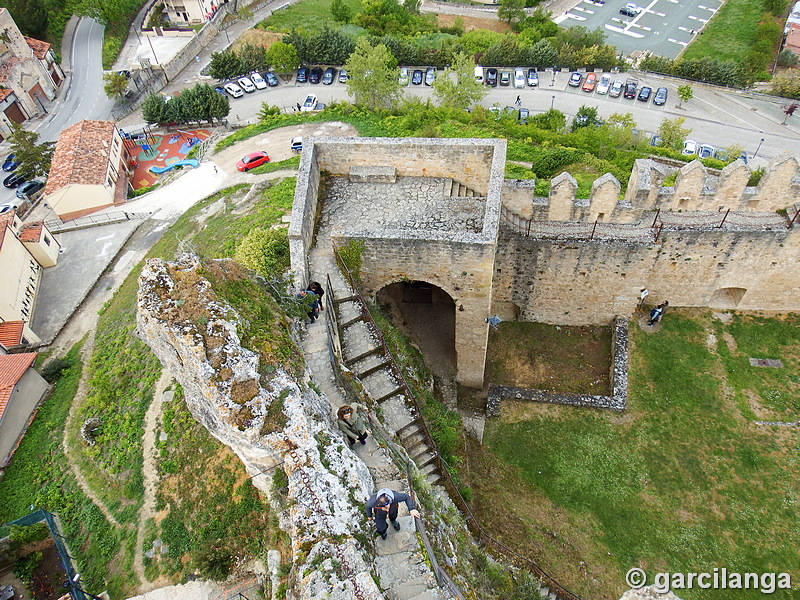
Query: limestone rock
194,334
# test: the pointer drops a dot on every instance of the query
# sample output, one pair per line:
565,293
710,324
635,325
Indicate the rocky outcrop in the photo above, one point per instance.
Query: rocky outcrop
267,421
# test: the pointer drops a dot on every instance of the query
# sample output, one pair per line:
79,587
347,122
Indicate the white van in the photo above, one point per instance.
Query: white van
479,74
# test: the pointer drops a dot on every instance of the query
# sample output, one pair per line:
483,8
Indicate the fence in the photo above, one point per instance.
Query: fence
562,592
59,226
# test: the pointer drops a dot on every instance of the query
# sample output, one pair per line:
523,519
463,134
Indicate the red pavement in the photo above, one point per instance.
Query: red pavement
158,150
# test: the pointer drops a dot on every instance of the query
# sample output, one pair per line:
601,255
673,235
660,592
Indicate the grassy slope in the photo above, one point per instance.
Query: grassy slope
730,33
684,482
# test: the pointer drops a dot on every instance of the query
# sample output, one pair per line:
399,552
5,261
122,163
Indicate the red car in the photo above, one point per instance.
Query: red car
252,160
590,82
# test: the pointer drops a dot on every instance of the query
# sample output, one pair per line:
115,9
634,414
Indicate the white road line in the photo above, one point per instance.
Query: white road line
658,14
713,10
674,41
625,31
576,17
104,237
587,11
698,19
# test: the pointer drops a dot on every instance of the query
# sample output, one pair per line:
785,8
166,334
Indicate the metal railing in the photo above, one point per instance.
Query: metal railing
57,225
455,495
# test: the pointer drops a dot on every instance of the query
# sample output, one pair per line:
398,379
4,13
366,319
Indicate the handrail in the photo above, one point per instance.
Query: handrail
560,591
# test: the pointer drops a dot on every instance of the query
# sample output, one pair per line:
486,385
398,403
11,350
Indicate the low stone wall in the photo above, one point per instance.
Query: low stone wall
618,400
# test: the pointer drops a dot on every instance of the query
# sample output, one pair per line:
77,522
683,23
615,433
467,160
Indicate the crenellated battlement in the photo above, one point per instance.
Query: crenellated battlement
695,188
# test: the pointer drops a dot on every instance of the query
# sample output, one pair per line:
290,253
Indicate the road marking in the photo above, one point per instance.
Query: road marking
713,10
104,237
658,14
625,31
704,21
674,41
576,17
587,11
104,249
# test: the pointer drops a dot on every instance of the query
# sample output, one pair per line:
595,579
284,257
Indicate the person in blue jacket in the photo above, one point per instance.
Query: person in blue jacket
384,503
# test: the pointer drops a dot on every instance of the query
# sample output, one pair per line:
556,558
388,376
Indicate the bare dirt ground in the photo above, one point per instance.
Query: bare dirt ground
471,23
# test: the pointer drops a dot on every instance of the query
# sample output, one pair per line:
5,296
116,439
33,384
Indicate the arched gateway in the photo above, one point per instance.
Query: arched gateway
426,210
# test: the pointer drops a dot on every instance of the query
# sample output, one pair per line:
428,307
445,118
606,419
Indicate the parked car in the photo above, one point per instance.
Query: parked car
7,207
302,75
343,76
660,99
644,93
689,147
328,76
430,76
743,156
505,77
479,74
29,188
297,144
234,90
246,84
523,115
533,78
272,81
416,77
603,84
630,10
589,82
491,77
309,104
9,164
655,140
252,160
403,78
616,88
705,151
519,78
13,180
258,80
630,90
575,79
721,154
220,90
315,75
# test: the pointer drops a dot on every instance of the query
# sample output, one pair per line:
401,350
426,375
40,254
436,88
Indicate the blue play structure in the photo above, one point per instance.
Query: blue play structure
194,163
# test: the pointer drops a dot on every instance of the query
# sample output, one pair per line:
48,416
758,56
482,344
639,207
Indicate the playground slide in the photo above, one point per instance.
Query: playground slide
189,161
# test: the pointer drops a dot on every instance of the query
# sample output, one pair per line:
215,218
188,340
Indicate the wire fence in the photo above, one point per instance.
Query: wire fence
444,469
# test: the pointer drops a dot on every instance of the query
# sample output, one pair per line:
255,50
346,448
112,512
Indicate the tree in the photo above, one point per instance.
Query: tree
586,117
457,87
340,11
224,65
330,46
34,159
282,57
264,251
685,93
786,59
672,133
373,76
251,58
155,109
115,85
511,11
553,119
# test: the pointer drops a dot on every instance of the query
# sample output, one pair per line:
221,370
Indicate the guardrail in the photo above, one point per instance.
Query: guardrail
562,592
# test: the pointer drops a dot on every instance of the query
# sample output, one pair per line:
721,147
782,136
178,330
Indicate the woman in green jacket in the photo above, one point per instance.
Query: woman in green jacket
352,421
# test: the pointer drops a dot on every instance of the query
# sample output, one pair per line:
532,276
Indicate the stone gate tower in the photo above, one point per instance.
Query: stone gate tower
426,210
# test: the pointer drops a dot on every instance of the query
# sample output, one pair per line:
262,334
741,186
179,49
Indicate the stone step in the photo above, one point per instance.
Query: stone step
453,188
409,441
408,429
380,366
351,361
430,469
395,392
352,321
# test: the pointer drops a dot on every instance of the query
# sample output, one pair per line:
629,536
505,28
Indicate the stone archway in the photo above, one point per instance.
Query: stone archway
427,313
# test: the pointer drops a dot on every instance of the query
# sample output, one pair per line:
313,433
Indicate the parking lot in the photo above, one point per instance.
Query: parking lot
663,27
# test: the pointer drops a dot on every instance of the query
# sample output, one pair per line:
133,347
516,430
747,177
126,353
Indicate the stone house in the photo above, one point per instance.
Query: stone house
29,75
88,171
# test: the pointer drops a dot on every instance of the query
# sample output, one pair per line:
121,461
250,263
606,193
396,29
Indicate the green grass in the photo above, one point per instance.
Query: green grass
730,33
306,16
271,167
39,476
685,484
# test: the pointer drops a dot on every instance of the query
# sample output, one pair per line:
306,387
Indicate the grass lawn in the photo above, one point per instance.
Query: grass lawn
683,481
730,33
308,16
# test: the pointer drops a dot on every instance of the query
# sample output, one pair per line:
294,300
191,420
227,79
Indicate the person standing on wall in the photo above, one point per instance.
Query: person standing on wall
384,503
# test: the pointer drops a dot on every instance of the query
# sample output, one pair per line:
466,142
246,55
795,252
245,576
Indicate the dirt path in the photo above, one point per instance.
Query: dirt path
86,354
150,477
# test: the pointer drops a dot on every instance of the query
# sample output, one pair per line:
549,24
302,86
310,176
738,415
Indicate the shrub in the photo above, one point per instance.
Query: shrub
54,368
264,251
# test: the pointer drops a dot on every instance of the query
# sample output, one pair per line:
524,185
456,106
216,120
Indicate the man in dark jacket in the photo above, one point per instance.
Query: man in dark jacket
384,502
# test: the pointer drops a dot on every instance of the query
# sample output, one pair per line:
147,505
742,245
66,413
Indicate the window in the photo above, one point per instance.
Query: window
46,240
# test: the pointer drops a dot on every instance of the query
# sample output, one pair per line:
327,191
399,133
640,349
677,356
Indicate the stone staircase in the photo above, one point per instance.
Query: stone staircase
456,189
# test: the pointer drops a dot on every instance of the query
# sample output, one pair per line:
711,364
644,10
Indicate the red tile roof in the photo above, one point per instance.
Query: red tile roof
81,155
12,368
5,94
11,333
39,47
31,232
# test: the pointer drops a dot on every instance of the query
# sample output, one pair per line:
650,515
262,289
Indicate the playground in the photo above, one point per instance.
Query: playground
155,153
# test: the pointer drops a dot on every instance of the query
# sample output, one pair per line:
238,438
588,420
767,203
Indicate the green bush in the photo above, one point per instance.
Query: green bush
54,368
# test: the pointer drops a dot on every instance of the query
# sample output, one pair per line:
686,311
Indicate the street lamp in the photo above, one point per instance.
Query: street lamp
74,584
759,148
552,102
